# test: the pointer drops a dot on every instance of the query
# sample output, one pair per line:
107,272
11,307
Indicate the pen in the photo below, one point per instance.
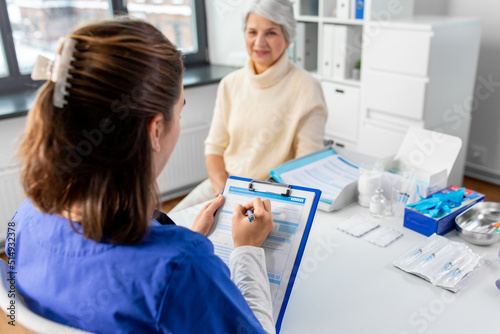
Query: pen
250,215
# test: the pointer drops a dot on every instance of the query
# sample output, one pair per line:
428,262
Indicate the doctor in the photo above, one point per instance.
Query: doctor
90,250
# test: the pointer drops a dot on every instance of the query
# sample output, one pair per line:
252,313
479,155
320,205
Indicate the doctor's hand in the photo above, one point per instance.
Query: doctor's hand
205,218
246,233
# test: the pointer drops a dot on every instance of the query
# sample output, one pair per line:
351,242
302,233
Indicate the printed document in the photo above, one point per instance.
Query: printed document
290,215
330,174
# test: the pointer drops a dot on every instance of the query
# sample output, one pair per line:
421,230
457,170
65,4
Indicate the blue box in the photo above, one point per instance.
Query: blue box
427,226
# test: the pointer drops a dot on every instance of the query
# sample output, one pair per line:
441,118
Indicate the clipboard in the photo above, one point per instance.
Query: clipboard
335,196
293,209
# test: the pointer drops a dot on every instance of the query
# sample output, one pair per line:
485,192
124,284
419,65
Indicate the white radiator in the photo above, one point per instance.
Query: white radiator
186,167
11,196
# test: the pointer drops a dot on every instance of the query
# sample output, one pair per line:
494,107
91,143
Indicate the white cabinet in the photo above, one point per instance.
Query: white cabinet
414,70
409,50
342,102
402,96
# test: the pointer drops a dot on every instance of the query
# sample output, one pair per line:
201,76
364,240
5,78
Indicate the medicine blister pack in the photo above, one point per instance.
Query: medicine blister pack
357,226
370,231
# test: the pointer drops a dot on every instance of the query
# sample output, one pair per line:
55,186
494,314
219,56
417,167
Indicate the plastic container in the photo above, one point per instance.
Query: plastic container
369,180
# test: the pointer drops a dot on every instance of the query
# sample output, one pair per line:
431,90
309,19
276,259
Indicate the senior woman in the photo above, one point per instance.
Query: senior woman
266,113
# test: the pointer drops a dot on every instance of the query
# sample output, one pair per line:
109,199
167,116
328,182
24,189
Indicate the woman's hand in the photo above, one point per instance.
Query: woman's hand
216,172
218,183
205,218
246,233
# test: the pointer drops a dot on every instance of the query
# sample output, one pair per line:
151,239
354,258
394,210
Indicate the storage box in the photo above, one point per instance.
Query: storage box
430,157
426,225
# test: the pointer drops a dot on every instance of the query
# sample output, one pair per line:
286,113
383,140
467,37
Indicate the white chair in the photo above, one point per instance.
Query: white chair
24,316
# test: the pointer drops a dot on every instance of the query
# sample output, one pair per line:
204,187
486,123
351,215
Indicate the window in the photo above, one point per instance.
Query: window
173,18
37,25
32,27
182,21
3,62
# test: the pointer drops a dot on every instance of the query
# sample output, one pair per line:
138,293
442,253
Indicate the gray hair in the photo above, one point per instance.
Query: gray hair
277,11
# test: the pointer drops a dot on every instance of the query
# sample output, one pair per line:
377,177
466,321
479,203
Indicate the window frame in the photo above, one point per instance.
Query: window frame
16,82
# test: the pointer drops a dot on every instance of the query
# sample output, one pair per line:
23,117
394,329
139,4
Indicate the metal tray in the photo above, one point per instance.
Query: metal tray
480,214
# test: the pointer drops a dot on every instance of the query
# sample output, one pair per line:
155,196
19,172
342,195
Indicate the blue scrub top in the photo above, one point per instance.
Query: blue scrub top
170,283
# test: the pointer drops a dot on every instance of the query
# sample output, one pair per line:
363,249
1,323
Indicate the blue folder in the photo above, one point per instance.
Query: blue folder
360,7
296,163
346,196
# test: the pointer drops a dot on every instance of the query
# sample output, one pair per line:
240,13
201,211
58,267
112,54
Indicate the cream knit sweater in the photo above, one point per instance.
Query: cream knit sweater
261,121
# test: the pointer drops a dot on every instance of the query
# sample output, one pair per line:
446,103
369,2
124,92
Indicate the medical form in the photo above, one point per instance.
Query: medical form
283,247
330,174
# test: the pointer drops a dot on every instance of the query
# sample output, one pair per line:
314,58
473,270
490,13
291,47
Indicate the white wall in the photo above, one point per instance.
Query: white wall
10,132
483,159
430,7
226,44
200,104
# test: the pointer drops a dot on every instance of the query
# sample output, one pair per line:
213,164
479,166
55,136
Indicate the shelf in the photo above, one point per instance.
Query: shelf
342,21
351,82
348,82
316,19
303,18
315,75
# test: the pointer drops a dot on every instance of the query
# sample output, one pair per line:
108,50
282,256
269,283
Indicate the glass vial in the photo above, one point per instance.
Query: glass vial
378,203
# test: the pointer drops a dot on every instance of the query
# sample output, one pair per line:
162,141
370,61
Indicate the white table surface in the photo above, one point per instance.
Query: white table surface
347,285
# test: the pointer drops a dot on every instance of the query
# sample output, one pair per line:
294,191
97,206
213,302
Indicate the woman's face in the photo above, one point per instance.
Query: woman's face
265,41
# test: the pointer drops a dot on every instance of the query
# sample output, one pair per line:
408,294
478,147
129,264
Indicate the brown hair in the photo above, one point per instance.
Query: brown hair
95,152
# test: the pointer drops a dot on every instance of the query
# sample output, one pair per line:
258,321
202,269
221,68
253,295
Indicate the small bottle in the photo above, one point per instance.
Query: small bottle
378,203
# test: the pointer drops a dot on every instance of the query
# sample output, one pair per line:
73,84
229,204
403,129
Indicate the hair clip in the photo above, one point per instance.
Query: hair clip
42,68
58,70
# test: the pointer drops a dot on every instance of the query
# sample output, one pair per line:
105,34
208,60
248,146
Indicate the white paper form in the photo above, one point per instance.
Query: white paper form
290,215
330,174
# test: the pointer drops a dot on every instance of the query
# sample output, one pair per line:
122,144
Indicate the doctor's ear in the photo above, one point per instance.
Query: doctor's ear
156,127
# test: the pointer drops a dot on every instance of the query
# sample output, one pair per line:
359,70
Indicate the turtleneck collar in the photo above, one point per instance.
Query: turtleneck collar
272,75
